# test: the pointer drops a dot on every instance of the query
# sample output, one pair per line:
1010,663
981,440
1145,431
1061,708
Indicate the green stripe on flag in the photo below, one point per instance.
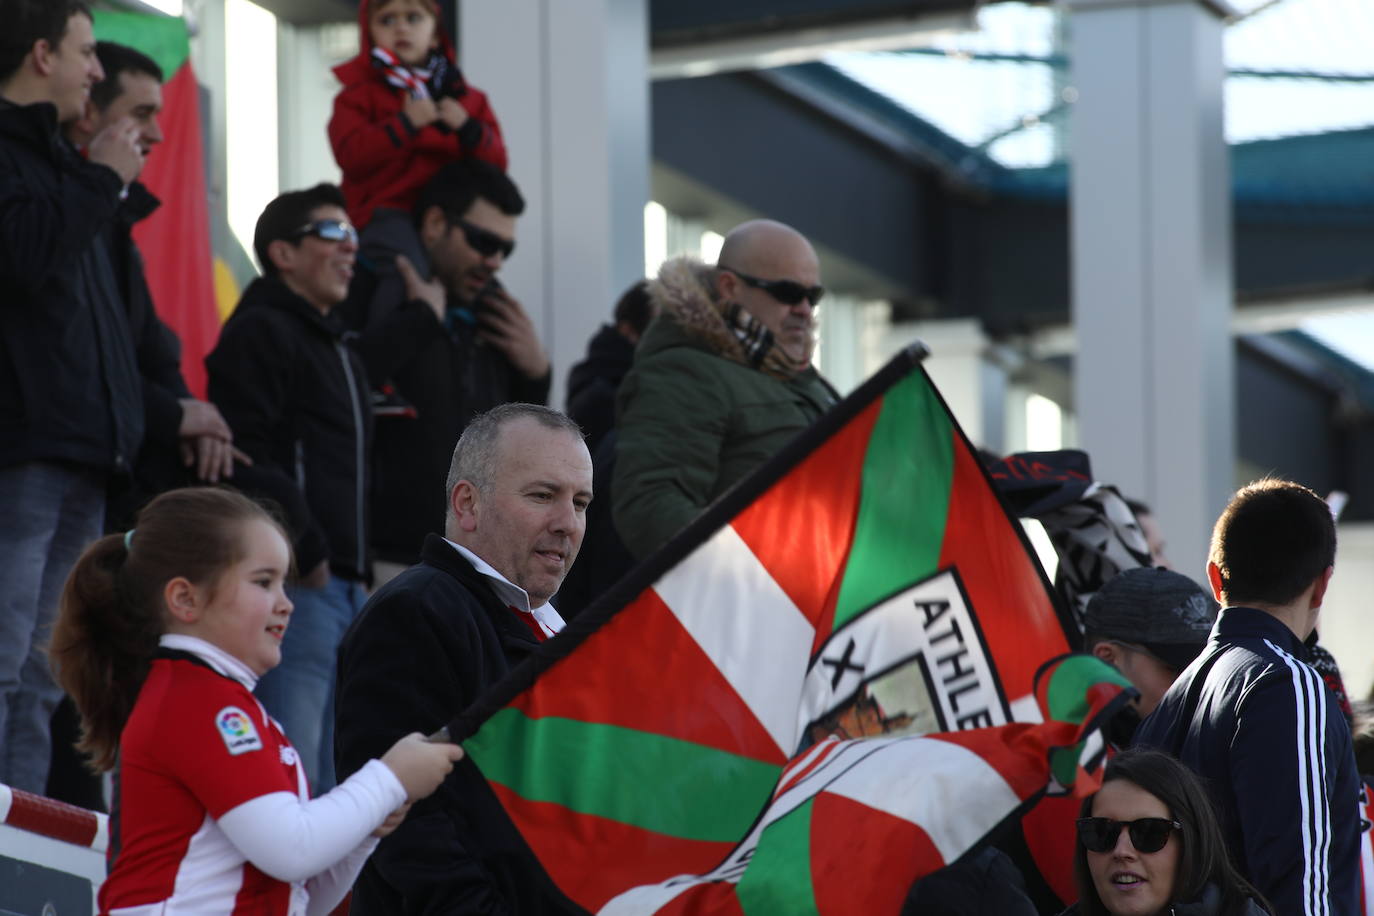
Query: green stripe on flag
163,38
648,781
908,470
778,879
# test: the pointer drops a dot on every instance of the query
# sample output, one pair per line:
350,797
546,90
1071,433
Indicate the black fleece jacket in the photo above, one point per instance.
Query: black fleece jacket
69,386
295,396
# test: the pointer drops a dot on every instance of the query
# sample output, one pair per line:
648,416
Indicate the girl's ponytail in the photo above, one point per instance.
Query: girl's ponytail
101,645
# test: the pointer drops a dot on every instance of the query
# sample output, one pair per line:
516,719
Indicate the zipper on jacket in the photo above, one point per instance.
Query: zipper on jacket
300,465
360,450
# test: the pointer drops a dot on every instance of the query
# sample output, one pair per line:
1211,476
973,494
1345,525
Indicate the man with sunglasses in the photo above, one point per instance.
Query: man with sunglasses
722,379
437,331
1256,721
296,397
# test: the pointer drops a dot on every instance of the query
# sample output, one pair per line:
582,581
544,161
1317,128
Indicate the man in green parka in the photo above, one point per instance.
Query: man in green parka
722,379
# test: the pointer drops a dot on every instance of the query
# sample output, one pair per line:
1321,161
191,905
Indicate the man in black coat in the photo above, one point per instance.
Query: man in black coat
438,332
296,397
185,438
70,411
434,638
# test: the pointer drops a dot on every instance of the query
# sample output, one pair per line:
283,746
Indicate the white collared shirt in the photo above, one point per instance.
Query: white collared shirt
212,655
545,615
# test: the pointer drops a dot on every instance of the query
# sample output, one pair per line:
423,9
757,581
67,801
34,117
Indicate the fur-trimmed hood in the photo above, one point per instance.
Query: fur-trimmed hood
684,294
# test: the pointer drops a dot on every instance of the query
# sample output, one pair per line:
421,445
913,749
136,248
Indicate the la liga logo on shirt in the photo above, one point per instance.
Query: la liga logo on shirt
238,731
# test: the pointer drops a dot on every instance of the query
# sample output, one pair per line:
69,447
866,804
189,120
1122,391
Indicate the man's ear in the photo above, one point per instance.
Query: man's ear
433,225
44,57
282,254
1214,579
1319,587
183,600
1108,652
464,501
727,285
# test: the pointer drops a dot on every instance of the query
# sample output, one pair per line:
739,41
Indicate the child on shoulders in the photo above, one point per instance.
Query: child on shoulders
405,109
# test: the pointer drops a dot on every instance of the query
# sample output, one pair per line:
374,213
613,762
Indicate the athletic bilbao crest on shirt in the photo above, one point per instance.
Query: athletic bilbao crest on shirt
238,731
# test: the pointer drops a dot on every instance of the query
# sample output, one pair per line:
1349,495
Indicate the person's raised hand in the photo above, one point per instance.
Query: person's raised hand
118,146
430,292
506,326
421,764
421,112
452,113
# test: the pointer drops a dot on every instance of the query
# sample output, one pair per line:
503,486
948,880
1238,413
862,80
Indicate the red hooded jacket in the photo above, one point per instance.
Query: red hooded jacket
385,160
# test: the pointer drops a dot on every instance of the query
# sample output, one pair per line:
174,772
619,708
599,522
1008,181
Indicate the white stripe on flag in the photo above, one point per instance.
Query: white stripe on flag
747,625
950,792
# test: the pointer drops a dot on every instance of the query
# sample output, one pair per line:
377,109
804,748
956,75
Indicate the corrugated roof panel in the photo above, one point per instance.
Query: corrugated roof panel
1306,68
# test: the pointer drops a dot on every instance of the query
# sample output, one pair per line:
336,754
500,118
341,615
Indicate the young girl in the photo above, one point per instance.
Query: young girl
160,638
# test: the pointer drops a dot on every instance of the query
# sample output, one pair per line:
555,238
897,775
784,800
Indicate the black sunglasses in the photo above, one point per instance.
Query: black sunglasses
1148,834
484,241
331,230
788,292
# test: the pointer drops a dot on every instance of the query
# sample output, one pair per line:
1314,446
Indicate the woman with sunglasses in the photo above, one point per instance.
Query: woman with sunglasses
1149,844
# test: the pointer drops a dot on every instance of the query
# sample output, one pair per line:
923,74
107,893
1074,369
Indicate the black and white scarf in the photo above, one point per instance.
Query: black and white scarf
435,79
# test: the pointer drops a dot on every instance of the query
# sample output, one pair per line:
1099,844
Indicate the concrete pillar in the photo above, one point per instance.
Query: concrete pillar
1152,284
305,99
569,80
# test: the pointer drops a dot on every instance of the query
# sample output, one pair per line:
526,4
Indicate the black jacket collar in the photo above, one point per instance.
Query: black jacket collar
1252,623
440,554
271,292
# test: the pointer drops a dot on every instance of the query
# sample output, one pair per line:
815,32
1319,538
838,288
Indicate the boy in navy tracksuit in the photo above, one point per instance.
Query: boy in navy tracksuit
1254,719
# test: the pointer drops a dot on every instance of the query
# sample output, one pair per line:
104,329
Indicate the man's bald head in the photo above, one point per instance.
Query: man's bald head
764,243
765,250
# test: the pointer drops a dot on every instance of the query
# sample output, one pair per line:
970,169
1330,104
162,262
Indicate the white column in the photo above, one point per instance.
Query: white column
305,100
1151,235
569,80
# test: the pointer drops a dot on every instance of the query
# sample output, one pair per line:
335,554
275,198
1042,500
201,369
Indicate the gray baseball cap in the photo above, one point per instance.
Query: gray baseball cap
1164,611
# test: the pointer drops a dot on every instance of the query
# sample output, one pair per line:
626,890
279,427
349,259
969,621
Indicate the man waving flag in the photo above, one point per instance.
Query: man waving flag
752,699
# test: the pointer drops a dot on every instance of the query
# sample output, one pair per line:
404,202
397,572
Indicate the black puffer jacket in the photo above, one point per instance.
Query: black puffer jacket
69,388
296,398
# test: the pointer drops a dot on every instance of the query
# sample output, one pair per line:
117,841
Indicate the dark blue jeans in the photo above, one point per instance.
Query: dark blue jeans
299,693
52,512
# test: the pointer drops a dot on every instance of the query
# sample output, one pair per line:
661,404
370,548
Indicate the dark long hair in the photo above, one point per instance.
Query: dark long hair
1202,858
112,609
